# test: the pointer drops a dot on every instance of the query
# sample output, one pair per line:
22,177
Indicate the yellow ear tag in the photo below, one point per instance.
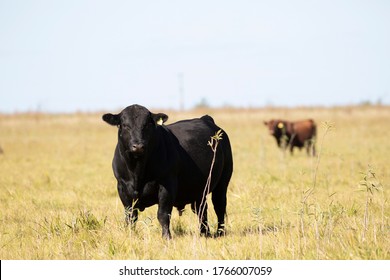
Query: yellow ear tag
160,121
280,125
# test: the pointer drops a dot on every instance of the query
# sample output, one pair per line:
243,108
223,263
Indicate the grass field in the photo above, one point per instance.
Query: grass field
59,200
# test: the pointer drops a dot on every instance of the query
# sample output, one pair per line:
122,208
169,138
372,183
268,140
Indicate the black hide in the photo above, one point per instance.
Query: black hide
169,165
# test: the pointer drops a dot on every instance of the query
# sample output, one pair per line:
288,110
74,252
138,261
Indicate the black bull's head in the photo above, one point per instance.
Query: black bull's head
136,138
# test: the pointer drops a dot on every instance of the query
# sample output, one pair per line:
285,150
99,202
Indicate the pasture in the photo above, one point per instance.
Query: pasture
59,200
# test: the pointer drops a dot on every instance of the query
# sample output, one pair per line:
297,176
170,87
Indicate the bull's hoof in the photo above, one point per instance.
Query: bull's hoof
167,235
205,233
220,233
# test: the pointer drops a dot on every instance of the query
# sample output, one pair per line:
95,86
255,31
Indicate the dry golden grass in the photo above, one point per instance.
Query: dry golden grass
59,201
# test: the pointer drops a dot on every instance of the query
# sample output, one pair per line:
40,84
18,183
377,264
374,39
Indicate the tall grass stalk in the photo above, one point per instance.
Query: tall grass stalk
328,127
371,185
213,143
309,192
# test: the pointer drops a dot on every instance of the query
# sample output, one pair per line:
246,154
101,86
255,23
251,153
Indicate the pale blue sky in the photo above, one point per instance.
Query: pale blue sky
63,56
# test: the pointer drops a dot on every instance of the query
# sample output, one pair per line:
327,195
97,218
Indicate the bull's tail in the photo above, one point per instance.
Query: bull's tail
314,128
311,150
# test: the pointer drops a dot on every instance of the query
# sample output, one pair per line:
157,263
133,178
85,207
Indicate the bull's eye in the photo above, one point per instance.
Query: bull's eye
121,128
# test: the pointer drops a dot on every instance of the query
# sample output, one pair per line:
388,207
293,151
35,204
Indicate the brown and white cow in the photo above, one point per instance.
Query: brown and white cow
294,134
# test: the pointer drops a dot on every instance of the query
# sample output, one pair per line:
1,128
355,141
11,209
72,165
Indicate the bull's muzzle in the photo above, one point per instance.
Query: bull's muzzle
137,149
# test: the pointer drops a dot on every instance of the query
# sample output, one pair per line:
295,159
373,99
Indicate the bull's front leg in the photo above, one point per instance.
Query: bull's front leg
165,205
131,215
131,212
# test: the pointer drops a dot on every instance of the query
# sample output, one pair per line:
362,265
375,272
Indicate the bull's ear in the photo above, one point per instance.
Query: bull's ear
159,118
111,119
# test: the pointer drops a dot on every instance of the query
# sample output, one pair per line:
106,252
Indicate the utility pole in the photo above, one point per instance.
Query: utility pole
180,78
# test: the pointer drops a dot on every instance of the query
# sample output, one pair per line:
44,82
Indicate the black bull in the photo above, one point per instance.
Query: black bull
169,165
